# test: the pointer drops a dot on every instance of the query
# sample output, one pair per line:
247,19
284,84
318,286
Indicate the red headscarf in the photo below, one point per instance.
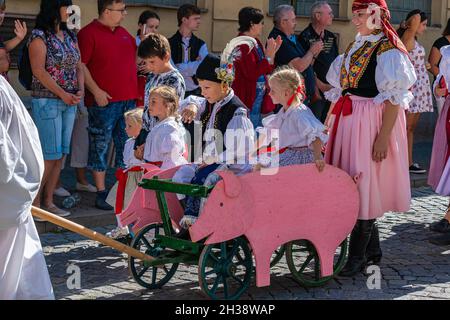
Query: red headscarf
385,16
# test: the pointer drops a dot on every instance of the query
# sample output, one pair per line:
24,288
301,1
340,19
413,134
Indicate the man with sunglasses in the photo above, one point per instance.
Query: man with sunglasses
108,53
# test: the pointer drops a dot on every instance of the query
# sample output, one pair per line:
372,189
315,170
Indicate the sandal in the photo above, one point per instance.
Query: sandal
57,211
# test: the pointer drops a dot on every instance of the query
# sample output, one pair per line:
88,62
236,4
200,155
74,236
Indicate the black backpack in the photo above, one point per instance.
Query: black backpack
25,72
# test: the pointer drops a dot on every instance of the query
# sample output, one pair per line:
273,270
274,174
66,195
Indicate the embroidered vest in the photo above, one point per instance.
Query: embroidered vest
223,117
360,79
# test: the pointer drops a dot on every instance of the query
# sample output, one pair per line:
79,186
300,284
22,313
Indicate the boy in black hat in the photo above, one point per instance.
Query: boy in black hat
224,118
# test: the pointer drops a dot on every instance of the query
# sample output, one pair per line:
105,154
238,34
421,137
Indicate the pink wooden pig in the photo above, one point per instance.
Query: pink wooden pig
296,203
143,207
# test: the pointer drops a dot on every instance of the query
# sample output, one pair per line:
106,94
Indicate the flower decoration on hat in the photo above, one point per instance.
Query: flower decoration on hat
230,54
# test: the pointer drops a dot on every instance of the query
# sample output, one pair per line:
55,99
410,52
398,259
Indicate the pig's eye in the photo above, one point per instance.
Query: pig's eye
221,204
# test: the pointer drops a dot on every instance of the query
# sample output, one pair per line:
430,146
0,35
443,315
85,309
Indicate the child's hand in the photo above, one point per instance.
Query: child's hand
258,167
189,113
440,92
320,164
139,152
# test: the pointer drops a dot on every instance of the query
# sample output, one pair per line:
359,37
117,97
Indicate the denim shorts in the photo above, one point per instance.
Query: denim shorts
54,120
106,124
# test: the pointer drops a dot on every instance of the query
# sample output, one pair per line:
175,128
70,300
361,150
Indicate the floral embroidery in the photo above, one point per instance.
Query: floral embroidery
358,64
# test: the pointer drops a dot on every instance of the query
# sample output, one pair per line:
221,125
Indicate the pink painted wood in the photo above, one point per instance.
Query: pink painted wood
296,203
143,207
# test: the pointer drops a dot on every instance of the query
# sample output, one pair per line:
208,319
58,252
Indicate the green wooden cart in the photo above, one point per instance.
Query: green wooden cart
225,269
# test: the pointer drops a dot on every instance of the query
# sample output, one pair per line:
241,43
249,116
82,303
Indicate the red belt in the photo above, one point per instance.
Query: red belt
122,177
271,150
281,151
343,107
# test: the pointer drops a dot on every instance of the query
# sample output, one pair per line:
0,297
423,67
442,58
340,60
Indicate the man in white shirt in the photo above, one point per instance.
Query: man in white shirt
23,271
188,51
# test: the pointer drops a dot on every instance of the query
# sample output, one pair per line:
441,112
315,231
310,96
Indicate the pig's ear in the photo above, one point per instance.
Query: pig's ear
231,182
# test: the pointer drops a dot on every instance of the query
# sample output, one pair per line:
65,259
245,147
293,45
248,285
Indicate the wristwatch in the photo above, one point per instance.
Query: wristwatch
269,60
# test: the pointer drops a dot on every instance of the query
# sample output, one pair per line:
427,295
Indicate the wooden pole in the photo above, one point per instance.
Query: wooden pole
88,233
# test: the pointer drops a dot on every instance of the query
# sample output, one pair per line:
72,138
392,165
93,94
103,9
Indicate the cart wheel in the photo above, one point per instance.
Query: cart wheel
277,255
150,277
304,263
225,269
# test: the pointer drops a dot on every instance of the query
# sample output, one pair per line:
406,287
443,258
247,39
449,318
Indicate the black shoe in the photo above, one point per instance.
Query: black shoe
442,226
373,251
415,168
183,235
353,266
359,241
100,202
125,239
441,240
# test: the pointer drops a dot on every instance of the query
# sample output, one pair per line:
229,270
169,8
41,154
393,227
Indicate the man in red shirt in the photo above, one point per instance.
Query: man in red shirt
108,53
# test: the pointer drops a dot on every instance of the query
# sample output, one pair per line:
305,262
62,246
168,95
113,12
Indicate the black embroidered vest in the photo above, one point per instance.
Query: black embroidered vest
223,118
360,79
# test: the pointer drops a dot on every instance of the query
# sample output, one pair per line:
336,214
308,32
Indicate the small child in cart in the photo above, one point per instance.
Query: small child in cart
165,147
128,179
299,135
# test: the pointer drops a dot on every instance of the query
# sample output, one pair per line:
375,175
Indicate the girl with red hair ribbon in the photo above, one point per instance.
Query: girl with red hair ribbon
371,83
300,136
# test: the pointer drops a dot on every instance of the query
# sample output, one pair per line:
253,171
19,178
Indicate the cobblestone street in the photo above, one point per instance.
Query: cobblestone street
411,268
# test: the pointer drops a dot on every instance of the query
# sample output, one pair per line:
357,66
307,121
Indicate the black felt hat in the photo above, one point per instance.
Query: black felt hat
207,69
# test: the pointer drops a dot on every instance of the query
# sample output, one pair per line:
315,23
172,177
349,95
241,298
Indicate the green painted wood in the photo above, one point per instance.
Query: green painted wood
179,244
172,187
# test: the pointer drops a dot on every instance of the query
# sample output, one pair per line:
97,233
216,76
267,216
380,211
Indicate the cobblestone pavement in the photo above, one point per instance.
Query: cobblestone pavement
412,268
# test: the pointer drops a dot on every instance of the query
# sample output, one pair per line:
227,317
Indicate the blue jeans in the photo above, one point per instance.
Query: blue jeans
106,123
54,120
255,113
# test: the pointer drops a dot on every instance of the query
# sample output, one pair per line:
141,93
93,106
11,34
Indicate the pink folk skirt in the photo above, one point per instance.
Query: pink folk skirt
439,153
383,186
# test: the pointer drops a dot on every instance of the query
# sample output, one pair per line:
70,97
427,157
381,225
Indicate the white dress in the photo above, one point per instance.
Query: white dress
23,271
295,129
166,143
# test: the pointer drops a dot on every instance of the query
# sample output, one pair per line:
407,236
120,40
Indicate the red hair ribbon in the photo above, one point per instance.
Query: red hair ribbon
299,91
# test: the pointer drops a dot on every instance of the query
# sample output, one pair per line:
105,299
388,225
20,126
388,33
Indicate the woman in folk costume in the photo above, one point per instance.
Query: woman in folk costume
368,137
23,272
439,175
221,113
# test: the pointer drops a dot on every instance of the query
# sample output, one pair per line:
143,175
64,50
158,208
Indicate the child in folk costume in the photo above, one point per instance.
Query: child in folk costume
301,136
371,88
23,271
439,176
128,179
220,112
165,146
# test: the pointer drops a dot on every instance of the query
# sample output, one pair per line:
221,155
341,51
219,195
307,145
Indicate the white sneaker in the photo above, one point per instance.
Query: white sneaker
118,233
86,188
61,192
